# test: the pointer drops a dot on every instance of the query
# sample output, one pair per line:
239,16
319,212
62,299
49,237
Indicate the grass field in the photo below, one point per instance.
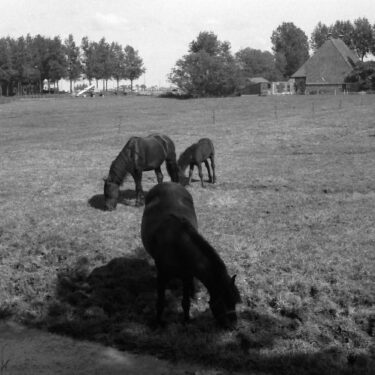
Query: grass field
292,214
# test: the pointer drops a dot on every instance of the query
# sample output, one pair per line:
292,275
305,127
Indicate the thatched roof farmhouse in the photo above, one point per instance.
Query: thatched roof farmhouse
325,71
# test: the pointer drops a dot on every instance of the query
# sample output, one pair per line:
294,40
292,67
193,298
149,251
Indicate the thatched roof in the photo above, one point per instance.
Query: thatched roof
329,65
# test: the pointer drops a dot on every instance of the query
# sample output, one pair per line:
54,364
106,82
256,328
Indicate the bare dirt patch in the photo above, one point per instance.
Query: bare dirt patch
30,351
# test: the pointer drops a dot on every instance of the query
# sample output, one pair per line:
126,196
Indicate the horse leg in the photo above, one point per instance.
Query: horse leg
213,168
208,171
160,303
190,173
139,199
159,175
201,174
188,291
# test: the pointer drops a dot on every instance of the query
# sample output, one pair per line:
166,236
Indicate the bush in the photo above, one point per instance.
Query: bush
363,76
174,95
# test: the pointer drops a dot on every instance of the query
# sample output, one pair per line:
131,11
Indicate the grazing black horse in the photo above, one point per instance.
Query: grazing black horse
196,154
169,234
138,155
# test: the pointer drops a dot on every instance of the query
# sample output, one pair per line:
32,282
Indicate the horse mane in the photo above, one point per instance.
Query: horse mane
219,269
118,169
185,158
203,244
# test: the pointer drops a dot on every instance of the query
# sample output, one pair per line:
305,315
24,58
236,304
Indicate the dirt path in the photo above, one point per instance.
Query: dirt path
29,352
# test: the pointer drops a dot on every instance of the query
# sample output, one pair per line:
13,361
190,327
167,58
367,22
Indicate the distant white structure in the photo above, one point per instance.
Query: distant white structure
283,88
85,90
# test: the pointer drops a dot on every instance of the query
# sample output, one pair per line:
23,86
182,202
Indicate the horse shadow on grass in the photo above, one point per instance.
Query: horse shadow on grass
119,293
127,198
184,181
114,304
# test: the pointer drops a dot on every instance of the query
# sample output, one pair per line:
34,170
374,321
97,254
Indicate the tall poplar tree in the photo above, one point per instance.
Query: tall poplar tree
72,52
133,65
290,42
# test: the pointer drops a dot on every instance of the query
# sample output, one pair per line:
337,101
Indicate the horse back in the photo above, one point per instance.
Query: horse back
169,234
153,150
163,140
164,203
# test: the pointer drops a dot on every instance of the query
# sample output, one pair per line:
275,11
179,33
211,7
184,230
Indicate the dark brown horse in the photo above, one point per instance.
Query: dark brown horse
196,154
169,234
138,155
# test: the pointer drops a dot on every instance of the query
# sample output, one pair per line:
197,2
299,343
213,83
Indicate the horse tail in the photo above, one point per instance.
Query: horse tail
170,156
212,147
172,170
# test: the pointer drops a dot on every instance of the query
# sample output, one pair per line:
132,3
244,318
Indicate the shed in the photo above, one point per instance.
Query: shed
326,69
256,86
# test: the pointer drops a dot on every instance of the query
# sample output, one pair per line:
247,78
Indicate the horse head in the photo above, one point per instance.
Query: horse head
181,168
223,303
111,194
182,178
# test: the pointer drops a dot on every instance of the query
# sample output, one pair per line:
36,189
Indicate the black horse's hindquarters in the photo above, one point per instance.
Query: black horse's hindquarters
138,155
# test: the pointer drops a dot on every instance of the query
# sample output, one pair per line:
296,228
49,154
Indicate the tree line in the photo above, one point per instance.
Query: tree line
26,62
358,35
210,69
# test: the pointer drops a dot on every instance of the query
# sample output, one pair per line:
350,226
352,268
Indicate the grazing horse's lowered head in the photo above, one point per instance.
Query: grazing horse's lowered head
169,234
223,306
112,183
111,194
138,155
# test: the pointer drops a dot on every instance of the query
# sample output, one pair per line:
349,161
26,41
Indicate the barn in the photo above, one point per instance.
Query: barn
325,71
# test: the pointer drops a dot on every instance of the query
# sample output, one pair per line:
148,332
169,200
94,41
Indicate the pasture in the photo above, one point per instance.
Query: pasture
292,214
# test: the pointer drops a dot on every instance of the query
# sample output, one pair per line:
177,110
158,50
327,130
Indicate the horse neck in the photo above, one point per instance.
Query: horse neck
212,271
185,159
119,168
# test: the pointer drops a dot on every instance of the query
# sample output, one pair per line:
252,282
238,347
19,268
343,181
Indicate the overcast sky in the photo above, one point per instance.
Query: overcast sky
161,30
